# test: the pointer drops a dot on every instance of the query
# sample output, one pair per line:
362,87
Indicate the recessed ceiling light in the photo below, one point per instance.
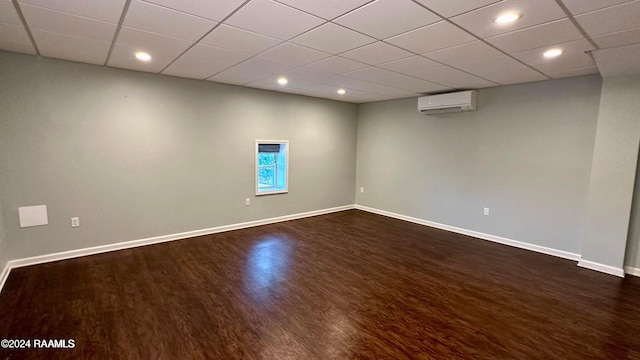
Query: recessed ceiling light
283,81
552,53
342,91
507,18
143,56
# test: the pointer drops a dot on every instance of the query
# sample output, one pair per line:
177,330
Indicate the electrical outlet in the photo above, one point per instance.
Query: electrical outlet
247,201
486,211
75,222
361,190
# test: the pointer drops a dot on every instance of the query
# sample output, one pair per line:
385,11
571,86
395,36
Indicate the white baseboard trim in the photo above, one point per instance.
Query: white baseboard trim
4,275
483,236
632,270
601,267
12,264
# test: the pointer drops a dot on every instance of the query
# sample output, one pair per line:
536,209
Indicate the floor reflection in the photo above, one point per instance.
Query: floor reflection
341,334
267,266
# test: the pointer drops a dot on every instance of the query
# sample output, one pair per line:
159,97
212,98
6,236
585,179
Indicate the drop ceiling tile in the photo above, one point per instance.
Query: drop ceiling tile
236,39
338,80
249,71
163,50
352,96
612,19
476,50
572,48
316,87
385,18
362,96
54,21
14,38
480,22
432,37
8,14
311,86
413,84
305,73
573,57
284,89
309,74
367,96
13,33
293,54
582,6
310,89
351,99
523,78
376,53
371,73
575,72
621,38
267,85
214,10
619,61
234,77
271,83
109,11
262,84
327,9
336,65
150,42
122,57
299,92
333,39
413,66
202,61
448,8
538,36
273,19
15,46
501,70
72,48
432,71
316,90
393,79
164,21
376,88
565,63
358,97
455,78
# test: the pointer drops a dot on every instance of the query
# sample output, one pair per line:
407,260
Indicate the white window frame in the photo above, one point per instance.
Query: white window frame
286,175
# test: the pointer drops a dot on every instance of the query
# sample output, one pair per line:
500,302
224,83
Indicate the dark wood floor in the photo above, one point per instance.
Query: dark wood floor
349,285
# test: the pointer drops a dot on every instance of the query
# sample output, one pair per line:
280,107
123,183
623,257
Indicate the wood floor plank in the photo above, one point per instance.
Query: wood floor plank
349,285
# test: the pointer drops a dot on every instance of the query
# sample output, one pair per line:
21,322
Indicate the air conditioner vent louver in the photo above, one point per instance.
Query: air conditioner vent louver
448,103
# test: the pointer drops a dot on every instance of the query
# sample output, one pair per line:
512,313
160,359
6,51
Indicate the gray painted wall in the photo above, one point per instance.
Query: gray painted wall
613,172
138,155
632,253
4,255
525,154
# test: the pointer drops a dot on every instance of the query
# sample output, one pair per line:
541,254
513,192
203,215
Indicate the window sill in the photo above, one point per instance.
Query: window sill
268,191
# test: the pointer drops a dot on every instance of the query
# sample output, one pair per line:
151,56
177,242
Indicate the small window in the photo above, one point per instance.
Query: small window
272,167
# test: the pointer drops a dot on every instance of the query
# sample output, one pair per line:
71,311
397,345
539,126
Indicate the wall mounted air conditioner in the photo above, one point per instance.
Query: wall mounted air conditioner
447,103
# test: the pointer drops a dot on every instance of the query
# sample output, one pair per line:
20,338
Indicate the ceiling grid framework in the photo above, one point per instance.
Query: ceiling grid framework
117,33
12,20
374,49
